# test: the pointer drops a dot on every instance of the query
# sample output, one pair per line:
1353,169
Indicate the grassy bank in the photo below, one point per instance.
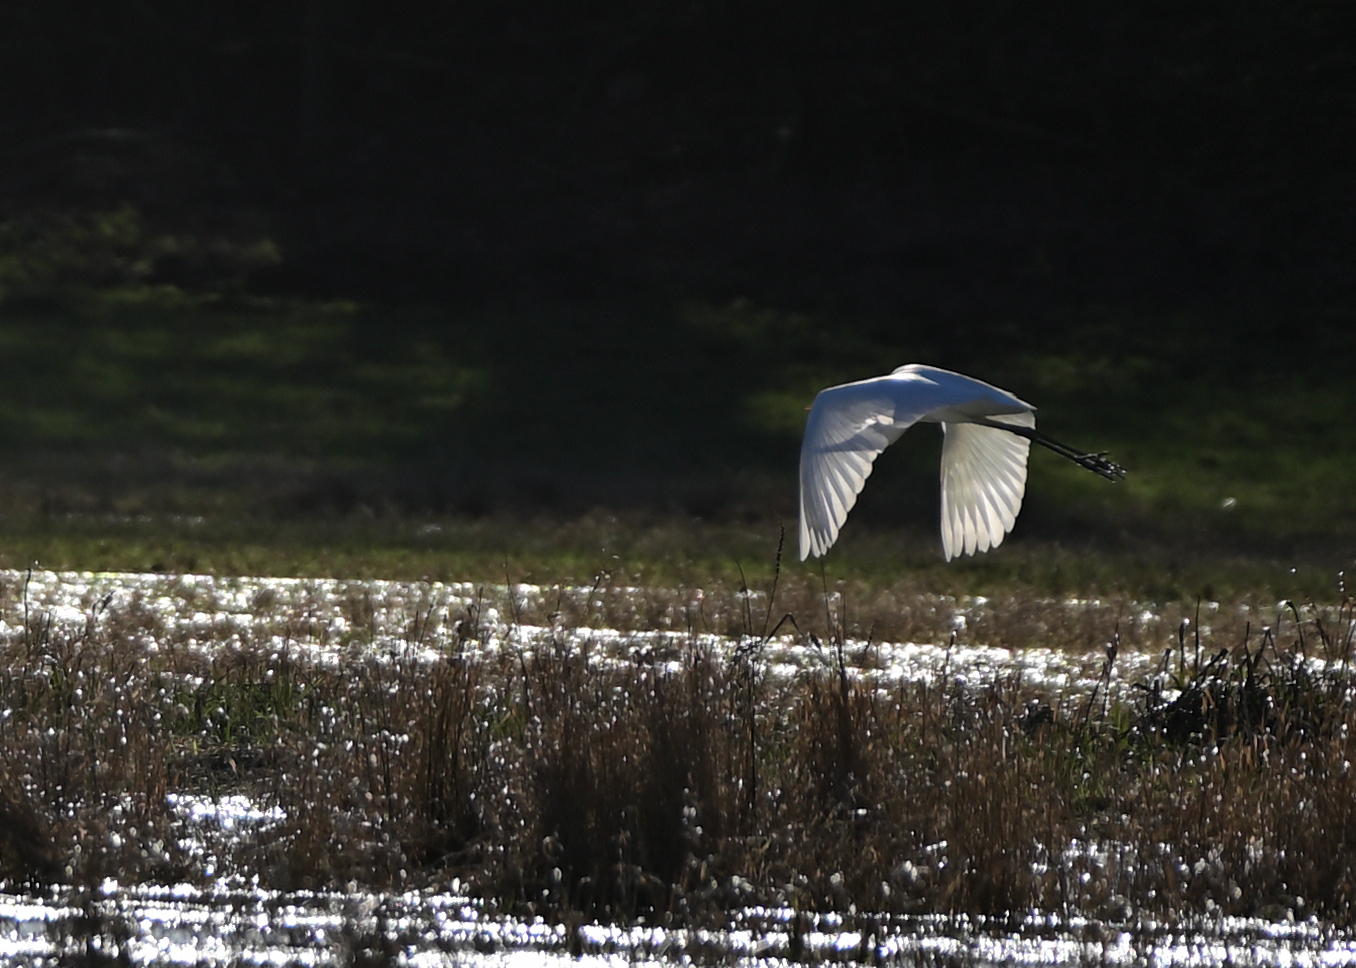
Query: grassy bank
656,549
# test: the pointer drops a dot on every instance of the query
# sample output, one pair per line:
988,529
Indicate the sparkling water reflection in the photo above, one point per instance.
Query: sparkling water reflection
177,925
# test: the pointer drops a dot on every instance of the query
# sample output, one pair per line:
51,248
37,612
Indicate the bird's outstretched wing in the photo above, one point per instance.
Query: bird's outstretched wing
983,481
847,429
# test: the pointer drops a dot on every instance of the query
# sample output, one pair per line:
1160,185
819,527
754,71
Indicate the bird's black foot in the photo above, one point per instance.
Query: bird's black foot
1098,464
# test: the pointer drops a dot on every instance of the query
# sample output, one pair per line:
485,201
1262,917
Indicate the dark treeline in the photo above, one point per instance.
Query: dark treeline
944,159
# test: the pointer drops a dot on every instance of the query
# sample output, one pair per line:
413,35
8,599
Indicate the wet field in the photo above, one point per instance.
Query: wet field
216,816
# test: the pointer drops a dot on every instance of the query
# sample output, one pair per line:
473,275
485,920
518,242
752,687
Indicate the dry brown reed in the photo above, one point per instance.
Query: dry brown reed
680,785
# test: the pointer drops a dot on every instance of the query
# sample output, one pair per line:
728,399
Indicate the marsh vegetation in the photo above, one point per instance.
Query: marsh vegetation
645,755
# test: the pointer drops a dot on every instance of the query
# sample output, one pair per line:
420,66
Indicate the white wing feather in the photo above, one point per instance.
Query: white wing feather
983,482
848,427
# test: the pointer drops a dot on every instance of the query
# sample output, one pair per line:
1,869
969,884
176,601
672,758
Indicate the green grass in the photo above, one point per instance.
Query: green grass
646,550
313,436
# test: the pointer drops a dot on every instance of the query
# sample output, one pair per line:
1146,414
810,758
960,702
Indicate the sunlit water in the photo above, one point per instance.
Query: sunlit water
231,922
416,619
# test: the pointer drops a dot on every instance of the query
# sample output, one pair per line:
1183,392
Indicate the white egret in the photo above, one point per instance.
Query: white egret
988,435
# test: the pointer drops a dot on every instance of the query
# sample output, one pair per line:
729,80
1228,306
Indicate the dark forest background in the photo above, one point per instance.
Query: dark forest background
959,160
983,185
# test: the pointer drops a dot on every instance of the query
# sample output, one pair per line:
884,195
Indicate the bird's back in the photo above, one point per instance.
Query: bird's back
943,396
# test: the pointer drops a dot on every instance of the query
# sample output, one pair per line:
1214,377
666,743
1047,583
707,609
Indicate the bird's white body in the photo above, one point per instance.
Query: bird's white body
983,466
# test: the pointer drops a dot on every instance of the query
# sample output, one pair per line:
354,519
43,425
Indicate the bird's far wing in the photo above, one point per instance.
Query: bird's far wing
847,429
983,482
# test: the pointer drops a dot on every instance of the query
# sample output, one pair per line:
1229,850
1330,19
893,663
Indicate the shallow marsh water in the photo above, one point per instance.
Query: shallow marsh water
330,621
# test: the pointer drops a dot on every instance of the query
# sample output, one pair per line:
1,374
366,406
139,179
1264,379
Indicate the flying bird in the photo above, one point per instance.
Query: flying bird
988,435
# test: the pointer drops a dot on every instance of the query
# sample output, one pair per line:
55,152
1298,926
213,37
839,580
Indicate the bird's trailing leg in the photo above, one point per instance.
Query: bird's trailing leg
1097,463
